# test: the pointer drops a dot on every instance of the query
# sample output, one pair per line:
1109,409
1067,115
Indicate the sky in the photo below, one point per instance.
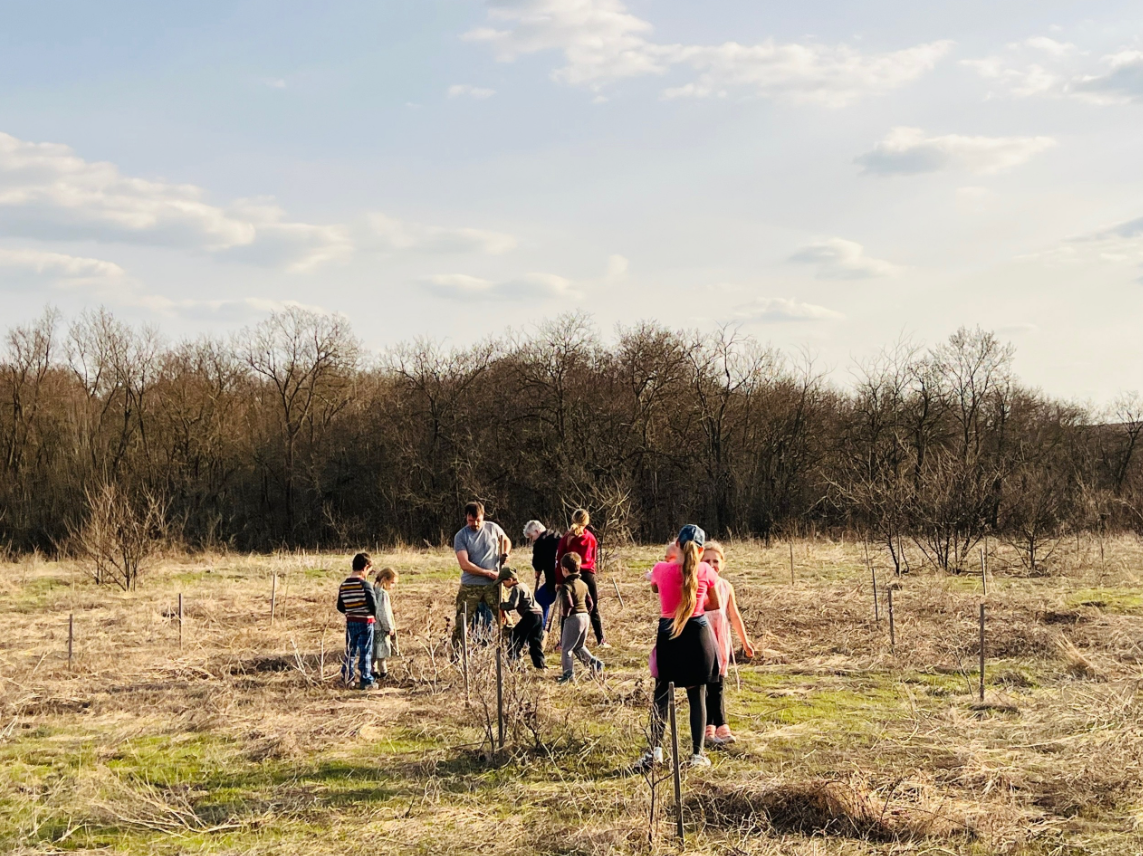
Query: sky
828,177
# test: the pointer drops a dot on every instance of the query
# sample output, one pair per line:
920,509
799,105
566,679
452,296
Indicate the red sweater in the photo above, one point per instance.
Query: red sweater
584,544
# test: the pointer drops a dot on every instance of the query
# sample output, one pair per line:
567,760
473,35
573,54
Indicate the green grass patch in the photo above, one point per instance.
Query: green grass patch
1109,600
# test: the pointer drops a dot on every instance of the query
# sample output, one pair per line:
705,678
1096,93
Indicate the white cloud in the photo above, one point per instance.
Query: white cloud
109,283
603,42
49,192
1065,72
471,91
837,258
600,39
458,286
1121,83
834,76
274,82
1118,245
616,268
768,310
56,266
1050,46
389,234
907,151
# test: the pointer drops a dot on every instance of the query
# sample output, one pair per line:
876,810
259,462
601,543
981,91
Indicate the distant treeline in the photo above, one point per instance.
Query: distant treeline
290,435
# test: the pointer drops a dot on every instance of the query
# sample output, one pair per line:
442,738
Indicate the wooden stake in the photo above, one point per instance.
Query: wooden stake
273,597
892,626
873,573
675,765
464,653
617,594
180,619
982,653
500,694
70,640
791,563
983,573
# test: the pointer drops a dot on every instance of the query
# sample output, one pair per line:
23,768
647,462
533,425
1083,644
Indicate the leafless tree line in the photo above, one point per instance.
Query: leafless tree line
290,434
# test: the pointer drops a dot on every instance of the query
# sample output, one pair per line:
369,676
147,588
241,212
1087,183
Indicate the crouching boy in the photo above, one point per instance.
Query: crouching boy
356,602
529,629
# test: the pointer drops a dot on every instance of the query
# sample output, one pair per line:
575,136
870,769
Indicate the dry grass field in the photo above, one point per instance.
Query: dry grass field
244,741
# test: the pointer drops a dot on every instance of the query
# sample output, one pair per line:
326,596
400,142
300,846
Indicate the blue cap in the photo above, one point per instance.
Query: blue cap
690,532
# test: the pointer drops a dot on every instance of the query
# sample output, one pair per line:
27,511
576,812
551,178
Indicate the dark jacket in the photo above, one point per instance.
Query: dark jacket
544,557
576,595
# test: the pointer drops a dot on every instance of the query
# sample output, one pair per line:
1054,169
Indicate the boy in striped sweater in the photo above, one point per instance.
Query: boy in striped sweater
356,602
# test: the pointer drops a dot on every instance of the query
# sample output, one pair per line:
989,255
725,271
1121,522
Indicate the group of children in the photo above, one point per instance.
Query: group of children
370,630
693,648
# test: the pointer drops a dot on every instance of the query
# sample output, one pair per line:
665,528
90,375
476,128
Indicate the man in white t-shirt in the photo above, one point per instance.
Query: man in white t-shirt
481,549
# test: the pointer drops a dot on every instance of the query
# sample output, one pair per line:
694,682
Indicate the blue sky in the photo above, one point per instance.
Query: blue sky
830,176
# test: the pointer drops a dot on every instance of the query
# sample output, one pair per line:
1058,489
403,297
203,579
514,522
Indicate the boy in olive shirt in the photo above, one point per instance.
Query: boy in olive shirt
529,629
576,600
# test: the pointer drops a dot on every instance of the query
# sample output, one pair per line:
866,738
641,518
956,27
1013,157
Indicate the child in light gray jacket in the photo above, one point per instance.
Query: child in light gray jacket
385,633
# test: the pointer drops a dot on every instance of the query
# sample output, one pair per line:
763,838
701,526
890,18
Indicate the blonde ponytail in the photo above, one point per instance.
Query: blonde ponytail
580,521
689,599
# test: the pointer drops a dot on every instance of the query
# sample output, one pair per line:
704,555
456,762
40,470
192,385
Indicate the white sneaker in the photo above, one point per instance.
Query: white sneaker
649,760
698,761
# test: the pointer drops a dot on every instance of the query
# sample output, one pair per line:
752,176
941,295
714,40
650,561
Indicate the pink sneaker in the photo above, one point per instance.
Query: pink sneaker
711,737
722,735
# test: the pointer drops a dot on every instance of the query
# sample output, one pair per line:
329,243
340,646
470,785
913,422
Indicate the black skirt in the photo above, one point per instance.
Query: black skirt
690,659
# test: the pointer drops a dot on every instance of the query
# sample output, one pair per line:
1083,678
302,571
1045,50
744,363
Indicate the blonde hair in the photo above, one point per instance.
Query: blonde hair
386,575
580,521
689,600
715,547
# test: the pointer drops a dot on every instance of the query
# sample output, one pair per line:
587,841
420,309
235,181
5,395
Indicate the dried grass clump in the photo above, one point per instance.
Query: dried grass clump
590,840
1078,664
847,809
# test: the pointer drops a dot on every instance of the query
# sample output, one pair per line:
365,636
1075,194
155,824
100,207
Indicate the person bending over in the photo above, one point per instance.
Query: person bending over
529,628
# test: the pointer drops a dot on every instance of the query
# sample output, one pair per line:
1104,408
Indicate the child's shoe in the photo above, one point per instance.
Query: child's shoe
698,761
723,735
565,678
604,644
711,737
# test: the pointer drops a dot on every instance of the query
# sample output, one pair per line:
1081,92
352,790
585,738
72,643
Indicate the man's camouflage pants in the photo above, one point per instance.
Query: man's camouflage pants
482,605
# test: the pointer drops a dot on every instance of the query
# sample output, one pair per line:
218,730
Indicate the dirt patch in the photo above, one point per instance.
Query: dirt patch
1061,616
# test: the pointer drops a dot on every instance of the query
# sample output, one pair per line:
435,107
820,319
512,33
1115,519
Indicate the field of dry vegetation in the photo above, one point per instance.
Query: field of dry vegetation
244,741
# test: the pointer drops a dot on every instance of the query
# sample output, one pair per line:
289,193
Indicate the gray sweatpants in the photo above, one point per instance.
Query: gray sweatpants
573,642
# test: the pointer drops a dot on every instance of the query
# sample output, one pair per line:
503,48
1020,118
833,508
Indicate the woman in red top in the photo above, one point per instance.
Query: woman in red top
579,540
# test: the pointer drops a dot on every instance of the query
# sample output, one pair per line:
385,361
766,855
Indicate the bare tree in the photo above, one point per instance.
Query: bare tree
308,361
120,537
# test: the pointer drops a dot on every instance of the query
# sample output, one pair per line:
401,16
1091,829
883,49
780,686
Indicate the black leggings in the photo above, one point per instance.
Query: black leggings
696,699
596,622
716,702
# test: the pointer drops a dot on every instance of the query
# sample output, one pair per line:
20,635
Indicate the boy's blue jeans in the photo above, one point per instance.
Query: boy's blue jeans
359,644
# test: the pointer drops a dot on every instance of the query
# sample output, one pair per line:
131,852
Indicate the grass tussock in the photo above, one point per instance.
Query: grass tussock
830,807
